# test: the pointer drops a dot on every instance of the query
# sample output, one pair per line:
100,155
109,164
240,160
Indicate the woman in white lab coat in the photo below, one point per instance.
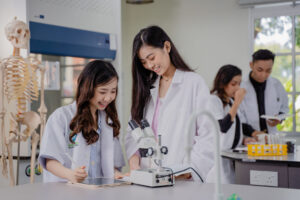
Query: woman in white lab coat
81,139
225,110
167,92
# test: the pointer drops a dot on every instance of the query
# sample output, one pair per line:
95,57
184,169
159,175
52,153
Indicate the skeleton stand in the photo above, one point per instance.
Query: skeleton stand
3,136
35,137
19,84
42,109
18,157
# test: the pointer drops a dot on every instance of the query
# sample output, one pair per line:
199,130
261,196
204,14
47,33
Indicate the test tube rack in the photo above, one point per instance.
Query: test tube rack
267,149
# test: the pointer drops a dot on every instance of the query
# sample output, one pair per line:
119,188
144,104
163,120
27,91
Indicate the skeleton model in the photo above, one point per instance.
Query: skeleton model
20,86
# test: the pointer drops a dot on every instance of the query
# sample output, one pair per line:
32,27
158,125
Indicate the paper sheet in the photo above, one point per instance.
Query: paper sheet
277,117
101,182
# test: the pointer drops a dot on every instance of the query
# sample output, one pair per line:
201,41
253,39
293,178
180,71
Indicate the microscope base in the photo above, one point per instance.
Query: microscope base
152,177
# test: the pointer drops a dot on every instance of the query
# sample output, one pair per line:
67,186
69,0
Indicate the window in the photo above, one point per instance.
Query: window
277,28
68,72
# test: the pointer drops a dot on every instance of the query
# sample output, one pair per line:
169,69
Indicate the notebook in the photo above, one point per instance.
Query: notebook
273,117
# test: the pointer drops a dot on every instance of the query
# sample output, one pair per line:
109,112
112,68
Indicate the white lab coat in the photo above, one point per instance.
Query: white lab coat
226,140
55,144
276,101
187,94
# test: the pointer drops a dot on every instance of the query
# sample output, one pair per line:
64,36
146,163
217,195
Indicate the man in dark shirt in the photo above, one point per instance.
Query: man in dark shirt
265,95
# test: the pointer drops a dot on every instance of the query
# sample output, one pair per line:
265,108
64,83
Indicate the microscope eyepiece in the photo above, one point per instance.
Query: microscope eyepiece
144,123
133,124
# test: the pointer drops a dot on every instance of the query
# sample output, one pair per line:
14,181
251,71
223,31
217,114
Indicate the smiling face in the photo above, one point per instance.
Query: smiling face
233,86
261,70
104,94
155,59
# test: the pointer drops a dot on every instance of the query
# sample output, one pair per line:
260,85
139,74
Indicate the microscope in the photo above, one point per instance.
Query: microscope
149,147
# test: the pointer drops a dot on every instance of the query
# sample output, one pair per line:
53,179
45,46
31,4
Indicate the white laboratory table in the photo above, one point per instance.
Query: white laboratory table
184,190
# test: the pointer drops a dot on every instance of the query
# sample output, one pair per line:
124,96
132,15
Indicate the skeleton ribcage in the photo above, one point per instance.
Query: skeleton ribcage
20,83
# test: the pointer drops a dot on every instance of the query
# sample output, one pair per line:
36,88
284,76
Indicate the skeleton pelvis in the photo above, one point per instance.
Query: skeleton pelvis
31,120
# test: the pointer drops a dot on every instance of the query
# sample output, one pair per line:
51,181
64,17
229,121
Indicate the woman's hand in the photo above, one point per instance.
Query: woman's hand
77,175
255,133
239,95
134,162
119,175
249,140
238,98
185,176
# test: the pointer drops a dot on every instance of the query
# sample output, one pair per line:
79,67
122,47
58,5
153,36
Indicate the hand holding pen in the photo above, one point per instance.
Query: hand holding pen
73,175
78,174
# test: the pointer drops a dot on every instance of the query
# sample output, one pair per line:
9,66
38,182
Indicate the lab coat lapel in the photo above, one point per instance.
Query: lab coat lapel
154,95
81,152
107,147
270,98
154,90
271,103
251,106
177,79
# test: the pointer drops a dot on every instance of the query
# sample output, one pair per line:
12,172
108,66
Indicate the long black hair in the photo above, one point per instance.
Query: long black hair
143,79
223,78
94,74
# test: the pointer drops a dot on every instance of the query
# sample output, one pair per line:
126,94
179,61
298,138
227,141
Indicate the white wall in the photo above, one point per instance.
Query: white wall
207,33
92,15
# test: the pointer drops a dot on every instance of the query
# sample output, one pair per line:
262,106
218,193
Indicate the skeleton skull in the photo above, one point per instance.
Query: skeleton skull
17,32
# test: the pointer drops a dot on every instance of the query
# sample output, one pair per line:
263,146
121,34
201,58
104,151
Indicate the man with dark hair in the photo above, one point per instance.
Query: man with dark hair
265,96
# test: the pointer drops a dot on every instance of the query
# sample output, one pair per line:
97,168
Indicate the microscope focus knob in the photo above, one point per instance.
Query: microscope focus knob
164,150
150,152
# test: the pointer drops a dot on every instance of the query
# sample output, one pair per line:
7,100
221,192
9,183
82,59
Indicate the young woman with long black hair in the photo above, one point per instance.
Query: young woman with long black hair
81,139
166,92
226,97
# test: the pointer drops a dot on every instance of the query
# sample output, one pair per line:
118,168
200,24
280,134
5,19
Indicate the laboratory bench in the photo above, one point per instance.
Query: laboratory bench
273,171
180,191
